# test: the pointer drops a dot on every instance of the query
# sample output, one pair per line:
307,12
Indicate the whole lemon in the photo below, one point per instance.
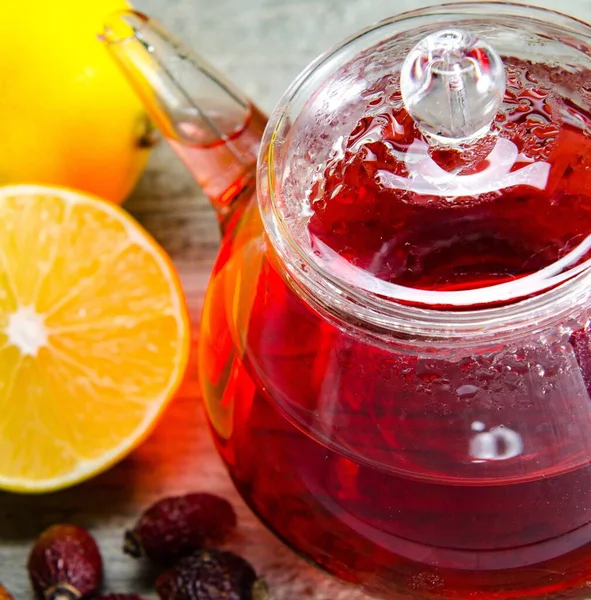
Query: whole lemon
67,115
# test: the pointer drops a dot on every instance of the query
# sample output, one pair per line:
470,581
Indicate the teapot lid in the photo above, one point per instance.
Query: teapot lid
439,159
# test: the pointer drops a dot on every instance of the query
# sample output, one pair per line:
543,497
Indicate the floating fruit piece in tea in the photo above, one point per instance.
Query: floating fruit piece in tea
4,595
211,575
179,525
65,564
94,336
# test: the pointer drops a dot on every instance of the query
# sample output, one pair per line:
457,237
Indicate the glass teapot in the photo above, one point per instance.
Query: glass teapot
395,351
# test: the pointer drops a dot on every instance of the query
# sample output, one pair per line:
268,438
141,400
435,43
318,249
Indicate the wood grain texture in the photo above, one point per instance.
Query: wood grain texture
262,45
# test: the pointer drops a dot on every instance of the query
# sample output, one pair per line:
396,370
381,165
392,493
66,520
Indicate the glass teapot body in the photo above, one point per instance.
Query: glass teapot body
432,471
395,350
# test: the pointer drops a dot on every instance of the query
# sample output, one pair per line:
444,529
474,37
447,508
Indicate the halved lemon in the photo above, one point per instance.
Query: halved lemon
94,336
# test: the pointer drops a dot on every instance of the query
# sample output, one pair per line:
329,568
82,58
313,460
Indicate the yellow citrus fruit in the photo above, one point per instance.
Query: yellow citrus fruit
94,336
67,115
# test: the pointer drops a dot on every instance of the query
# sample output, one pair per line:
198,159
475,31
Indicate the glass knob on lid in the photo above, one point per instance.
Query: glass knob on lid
453,85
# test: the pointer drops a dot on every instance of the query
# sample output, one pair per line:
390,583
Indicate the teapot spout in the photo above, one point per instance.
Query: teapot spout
211,125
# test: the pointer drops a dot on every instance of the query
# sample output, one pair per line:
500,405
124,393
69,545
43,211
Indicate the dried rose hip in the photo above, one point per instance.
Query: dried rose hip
211,575
65,564
174,527
4,595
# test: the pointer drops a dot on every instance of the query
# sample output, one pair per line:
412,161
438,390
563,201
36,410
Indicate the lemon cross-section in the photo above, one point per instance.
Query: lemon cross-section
94,336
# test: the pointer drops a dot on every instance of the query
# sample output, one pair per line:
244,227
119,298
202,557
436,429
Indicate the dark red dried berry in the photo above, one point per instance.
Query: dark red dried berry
65,564
4,595
211,575
177,526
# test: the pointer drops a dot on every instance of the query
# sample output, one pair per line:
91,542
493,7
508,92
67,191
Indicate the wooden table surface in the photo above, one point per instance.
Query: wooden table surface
262,45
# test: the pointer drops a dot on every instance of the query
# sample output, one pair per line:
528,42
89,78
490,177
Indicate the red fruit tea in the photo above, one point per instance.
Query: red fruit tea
439,474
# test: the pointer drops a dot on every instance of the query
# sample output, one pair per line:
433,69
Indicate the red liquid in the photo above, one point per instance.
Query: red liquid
426,476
